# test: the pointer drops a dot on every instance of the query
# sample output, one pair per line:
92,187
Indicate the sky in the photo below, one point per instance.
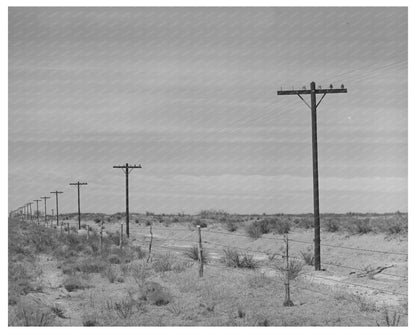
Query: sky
190,93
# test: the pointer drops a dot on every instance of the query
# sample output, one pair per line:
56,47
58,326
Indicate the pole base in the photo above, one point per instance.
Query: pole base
288,303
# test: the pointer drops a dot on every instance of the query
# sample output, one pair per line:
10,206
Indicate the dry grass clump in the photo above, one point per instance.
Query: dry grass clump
236,259
292,271
163,262
73,283
231,226
265,226
29,315
332,225
359,226
193,253
390,318
111,273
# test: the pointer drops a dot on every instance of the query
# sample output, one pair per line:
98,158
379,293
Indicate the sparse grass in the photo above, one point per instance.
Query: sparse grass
32,316
390,318
218,291
111,273
73,283
58,311
231,226
124,308
292,271
332,225
359,227
308,257
163,262
281,226
192,253
236,259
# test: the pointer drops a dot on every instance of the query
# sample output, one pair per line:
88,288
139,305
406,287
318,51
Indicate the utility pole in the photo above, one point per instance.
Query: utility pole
313,92
127,169
78,184
37,209
30,210
46,212
56,200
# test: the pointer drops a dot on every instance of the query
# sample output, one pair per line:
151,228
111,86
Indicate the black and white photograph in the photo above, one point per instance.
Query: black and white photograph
207,166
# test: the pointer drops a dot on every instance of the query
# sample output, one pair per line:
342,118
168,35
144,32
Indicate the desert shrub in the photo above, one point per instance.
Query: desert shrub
91,265
234,258
292,271
140,273
114,237
73,283
33,316
308,257
281,227
139,252
390,319
159,297
192,253
305,222
231,226
396,228
148,223
200,223
253,230
110,272
332,225
136,221
163,262
90,321
20,279
260,281
124,308
97,220
114,259
359,226
58,311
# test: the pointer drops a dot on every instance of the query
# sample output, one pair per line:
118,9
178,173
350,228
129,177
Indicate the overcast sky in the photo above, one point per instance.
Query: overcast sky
191,94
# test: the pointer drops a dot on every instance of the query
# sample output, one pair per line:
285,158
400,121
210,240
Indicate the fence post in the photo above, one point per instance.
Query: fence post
287,301
200,256
150,244
67,225
88,232
121,235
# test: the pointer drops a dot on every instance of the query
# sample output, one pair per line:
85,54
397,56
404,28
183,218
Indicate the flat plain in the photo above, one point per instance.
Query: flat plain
61,277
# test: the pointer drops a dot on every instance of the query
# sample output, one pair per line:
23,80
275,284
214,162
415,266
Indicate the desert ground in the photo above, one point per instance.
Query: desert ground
61,277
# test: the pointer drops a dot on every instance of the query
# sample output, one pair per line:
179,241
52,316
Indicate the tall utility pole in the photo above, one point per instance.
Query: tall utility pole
78,184
37,209
46,212
30,211
313,92
127,169
57,212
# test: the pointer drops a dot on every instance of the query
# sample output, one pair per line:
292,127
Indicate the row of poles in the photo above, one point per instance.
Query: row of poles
313,92
26,210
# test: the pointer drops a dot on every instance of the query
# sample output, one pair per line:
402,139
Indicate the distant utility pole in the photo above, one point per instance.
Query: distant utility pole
30,210
313,92
127,169
78,184
37,209
57,212
46,212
